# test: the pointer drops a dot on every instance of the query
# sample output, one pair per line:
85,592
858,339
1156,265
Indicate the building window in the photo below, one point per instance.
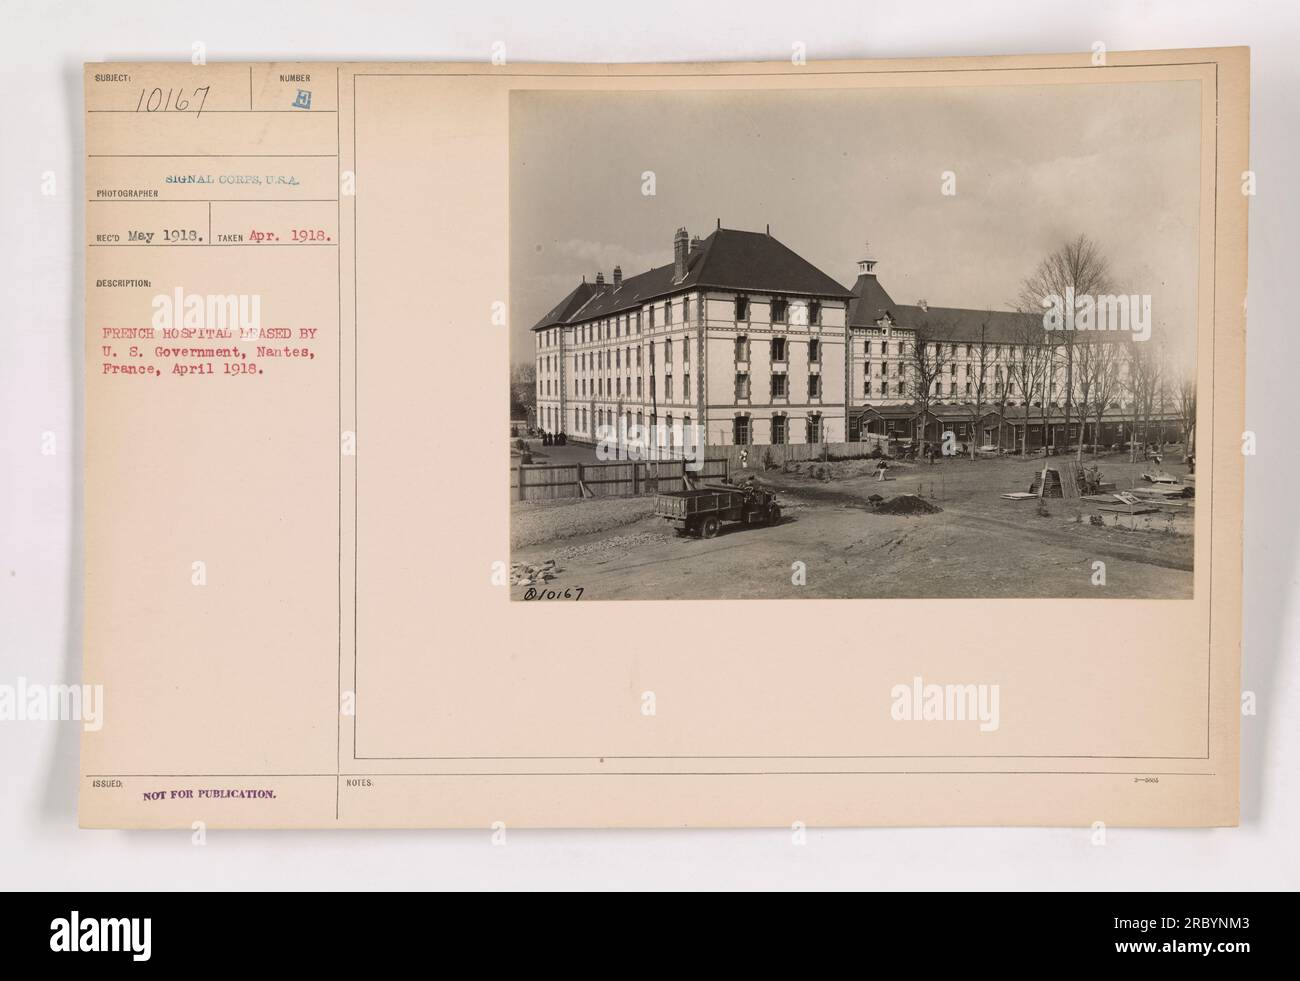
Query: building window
668,312
638,386
652,317
742,309
668,388
778,348
742,348
740,431
814,350
814,312
866,387
780,309
668,351
742,386
780,388
668,427
779,436
814,386
815,428
686,386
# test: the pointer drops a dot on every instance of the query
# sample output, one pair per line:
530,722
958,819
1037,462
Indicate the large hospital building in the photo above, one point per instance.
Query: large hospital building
742,336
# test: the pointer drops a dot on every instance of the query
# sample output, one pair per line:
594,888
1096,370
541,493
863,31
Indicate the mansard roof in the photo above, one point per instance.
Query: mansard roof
871,302
729,259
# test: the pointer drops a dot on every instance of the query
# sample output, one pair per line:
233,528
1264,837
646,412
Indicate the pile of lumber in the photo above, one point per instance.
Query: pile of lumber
1057,480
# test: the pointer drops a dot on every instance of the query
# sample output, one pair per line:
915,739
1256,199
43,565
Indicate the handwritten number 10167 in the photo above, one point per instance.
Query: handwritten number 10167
155,100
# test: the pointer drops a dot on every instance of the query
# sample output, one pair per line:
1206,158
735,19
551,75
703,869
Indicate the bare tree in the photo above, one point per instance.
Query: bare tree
1187,412
925,364
1103,371
983,360
1075,269
1029,368
1085,352
1141,384
523,390
1001,395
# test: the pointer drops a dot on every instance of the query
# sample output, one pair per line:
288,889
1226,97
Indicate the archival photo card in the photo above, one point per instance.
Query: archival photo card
462,439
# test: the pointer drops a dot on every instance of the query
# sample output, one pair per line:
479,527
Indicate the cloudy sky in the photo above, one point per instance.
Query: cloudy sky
834,171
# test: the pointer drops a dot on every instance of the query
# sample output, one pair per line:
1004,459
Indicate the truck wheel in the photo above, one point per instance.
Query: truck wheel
774,515
709,528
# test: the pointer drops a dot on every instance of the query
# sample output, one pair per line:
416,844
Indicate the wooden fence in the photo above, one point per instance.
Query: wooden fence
550,482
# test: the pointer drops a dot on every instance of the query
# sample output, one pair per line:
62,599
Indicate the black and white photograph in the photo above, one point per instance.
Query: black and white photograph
902,342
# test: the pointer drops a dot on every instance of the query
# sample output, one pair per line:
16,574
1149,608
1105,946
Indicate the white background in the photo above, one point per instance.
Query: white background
42,48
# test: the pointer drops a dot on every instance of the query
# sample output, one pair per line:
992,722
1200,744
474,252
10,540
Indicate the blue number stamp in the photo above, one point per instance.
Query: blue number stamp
303,101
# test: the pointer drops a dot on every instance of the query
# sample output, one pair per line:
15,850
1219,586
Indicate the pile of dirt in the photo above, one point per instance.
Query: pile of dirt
907,504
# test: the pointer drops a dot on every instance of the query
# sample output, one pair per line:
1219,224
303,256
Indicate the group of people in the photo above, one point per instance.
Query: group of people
552,439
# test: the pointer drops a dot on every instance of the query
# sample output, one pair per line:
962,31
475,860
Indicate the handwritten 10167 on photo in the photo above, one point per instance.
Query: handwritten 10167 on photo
854,343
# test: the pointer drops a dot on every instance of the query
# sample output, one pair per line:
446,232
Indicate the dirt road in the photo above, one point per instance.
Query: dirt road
977,546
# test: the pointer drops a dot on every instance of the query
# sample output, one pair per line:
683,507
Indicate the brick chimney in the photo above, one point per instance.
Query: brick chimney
697,243
618,276
681,250
600,280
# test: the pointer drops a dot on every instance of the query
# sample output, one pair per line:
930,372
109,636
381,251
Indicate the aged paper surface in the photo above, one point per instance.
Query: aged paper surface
305,287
